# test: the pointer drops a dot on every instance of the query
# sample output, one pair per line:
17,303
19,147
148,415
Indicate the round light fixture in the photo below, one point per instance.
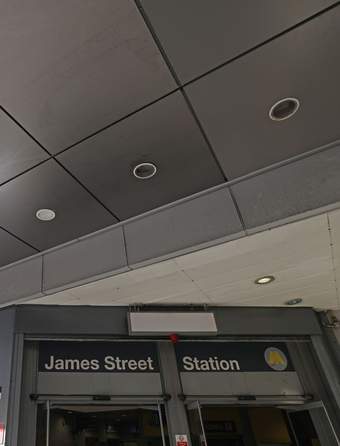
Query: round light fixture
45,214
144,171
284,109
264,280
295,301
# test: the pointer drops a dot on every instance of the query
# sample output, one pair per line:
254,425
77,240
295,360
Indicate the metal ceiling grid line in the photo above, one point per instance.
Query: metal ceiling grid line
123,118
20,240
25,171
87,190
178,82
24,129
265,42
42,162
125,248
238,210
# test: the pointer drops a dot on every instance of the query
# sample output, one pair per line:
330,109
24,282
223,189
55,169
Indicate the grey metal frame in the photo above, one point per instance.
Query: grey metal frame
322,427
66,401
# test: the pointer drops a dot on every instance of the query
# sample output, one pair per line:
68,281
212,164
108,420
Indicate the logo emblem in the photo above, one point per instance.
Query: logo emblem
276,359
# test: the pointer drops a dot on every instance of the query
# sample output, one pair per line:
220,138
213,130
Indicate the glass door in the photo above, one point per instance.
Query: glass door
312,426
196,424
100,425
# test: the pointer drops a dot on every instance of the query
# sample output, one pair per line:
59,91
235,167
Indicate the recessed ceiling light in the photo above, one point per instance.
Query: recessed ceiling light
264,280
45,214
295,301
284,109
144,171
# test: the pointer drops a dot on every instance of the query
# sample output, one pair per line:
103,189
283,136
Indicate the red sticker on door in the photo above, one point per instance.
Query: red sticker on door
181,440
2,433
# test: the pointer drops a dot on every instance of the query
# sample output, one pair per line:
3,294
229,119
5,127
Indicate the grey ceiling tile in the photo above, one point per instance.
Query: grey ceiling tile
18,151
70,68
49,186
12,249
305,185
184,226
165,134
198,35
84,260
233,102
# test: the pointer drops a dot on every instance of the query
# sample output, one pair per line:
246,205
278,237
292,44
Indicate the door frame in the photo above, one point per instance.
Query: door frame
155,403
308,407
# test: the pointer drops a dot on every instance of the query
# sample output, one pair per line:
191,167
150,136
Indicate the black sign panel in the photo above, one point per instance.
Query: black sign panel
233,357
98,357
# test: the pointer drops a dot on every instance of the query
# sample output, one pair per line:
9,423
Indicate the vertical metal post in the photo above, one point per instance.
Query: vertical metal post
201,421
161,423
175,409
48,423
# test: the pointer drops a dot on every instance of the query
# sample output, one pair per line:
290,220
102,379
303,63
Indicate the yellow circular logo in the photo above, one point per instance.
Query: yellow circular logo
276,359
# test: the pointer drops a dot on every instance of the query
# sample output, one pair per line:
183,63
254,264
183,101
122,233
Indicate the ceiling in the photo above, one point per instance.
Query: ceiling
304,258
90,89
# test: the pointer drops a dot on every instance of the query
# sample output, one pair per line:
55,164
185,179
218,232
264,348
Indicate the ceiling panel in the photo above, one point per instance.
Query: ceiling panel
233,102
192,223
289,190
165,134
198,35
69,68
49,186
18,151
12,249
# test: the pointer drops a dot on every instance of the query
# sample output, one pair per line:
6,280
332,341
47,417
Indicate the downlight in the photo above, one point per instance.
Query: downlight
264,280
295,301
284,109
144,171
45,214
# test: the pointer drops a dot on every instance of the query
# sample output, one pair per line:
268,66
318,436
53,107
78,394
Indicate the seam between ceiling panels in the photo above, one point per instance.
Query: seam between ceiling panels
261,44
180,86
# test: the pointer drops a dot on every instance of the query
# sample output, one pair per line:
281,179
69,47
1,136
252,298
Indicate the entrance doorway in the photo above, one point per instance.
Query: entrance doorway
218,425
100,425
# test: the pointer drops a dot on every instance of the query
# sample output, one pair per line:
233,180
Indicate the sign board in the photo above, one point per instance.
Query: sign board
98,357
181,440
244,369
227,357
165,323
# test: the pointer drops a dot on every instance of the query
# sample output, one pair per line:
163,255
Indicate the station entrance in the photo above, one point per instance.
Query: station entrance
248,425
60,424
123,391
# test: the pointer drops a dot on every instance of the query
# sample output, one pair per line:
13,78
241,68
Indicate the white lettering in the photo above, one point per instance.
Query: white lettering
204,365
51,364
150,363
142,364
109,363
209,364
187,363
95,364
224,364
234,365
59,364
71,364
132,364
85,364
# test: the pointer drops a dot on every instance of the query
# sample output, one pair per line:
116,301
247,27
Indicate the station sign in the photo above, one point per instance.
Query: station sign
98,357
233,357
